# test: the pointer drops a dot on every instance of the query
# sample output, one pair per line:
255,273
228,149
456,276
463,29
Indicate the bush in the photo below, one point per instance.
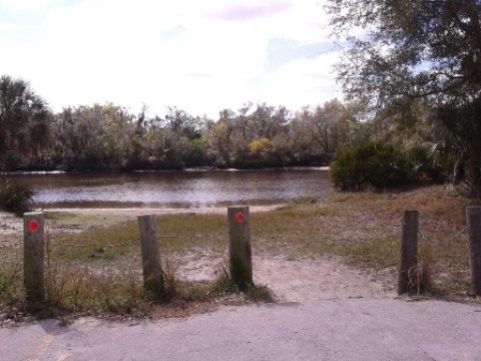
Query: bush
422,169
369,165
15,197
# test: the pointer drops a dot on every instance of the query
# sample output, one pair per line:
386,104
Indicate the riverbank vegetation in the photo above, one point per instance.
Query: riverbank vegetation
110,138
14,197
381,166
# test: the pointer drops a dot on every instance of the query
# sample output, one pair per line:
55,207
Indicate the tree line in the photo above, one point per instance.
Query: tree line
110,138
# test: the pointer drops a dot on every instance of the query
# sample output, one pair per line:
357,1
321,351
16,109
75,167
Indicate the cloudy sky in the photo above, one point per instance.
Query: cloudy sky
201,56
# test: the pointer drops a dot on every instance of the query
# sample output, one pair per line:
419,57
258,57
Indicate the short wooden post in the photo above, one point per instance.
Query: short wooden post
151,264
240,264
409,251
473,215
34,256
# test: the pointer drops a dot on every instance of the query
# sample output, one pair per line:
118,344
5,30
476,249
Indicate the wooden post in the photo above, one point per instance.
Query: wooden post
240,247
152,268
473,215
409,251
34,256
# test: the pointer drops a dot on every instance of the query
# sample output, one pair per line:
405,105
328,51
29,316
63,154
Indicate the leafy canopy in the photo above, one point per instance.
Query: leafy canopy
409,48
24,118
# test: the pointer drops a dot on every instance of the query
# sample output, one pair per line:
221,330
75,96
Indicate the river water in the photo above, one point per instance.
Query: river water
194,188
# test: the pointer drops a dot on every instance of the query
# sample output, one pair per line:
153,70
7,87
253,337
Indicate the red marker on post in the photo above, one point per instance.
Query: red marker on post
34,256
33,226
239,217
240,258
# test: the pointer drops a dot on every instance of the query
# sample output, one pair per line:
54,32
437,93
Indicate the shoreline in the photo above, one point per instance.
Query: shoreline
193,170
151,210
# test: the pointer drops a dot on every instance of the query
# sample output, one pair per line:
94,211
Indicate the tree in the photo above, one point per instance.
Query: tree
24,120
322,132
330,126
219,140
416,49
96,138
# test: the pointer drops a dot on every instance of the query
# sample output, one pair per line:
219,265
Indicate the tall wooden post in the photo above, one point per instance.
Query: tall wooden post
409,251
151,264
34,256
473,215
240,256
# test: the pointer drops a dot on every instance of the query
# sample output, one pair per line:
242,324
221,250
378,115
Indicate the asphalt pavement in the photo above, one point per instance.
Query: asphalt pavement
347,329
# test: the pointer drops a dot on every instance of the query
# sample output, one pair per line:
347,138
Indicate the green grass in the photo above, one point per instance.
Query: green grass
376,253
260,294
60,216
72,218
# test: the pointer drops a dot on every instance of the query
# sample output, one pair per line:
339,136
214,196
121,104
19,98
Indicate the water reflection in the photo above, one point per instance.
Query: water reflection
180,188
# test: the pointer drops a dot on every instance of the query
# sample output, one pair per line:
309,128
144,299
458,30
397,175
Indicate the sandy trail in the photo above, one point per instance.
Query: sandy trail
324,278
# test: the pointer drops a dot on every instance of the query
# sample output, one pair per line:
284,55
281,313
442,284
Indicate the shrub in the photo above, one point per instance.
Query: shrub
369,165
15,197
422,169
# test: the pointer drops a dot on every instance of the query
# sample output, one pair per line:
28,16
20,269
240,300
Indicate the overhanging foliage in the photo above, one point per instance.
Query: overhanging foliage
402,51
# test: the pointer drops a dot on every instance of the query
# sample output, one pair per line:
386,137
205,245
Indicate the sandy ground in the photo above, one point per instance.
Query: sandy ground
308,279
323,278
9,225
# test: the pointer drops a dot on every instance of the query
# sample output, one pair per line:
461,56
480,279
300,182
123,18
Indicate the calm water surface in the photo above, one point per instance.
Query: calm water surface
177,188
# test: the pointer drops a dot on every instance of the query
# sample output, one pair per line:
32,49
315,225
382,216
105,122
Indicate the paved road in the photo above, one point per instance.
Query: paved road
352,329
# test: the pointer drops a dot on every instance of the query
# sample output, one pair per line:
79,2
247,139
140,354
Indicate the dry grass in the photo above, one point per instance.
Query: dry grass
365,229
98,271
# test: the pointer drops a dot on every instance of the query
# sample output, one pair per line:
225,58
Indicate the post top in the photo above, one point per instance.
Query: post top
36,213
146,216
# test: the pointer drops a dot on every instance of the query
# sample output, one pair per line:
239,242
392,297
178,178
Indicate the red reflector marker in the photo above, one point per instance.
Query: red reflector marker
33,226
239,217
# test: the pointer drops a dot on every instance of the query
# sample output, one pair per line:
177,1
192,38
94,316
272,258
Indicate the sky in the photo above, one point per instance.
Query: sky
198,56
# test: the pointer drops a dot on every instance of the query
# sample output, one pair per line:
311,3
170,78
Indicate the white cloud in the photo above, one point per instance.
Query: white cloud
303,82
195,55
25,5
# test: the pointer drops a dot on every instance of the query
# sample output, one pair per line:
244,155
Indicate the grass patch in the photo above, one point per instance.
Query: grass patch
83,221
60,216
319,212
223,286
260,294
81,291
376,254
